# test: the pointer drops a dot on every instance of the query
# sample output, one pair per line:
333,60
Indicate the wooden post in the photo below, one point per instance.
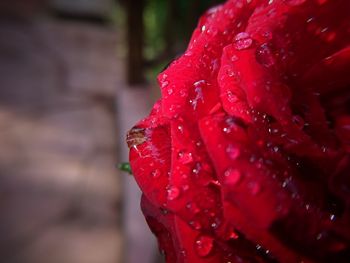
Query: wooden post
135,30
169,30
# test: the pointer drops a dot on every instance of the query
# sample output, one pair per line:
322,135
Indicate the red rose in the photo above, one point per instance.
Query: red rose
246,157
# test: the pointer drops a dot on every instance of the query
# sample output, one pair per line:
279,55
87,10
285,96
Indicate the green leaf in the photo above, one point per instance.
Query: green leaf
125,167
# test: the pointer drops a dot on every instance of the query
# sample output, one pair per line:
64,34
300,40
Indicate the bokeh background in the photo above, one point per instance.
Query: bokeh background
75,75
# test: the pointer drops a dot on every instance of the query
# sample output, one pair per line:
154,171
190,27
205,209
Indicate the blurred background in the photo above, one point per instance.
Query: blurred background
75,75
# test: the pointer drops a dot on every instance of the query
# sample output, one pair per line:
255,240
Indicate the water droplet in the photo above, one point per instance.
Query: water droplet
226,130
276,149
164,211
260,143
188,53
242,41
214,65
199,143
330,36
239,4
185,187
231,234
231,97
319,236
173,193
252,159
195,225
164,84
192,207
199,93
215,183
183,254
230,72
299,121
264,56
180,128
215,221
232,151
234,58
254,188
183,93
285,183
232,176
216,108
325,29
309,20
212,32
294,2
199,83
156,173
204,245
185,157
214,225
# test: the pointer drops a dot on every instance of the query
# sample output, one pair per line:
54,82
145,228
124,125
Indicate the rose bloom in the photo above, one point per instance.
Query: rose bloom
246,156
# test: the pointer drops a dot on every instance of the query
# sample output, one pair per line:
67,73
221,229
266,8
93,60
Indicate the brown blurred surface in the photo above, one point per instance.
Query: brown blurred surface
59,189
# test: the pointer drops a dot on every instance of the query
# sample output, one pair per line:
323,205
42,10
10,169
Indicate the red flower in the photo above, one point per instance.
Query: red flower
246,157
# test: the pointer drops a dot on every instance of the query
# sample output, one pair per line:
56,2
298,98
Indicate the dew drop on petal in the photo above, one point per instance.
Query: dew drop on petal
156,173
232,151
185,187
197,169
192,207
239,4
231,234
185,157
216,108
173,193
330,36
294,2
195,225
204,245
170,91
231,97
242,41
275,149
234,58
164,84
180,128
214,225
254,188
264,56
232,176
299,121
319,236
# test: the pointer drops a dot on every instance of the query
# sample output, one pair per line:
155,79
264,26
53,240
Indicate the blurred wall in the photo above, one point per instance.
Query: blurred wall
84,7
60,192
